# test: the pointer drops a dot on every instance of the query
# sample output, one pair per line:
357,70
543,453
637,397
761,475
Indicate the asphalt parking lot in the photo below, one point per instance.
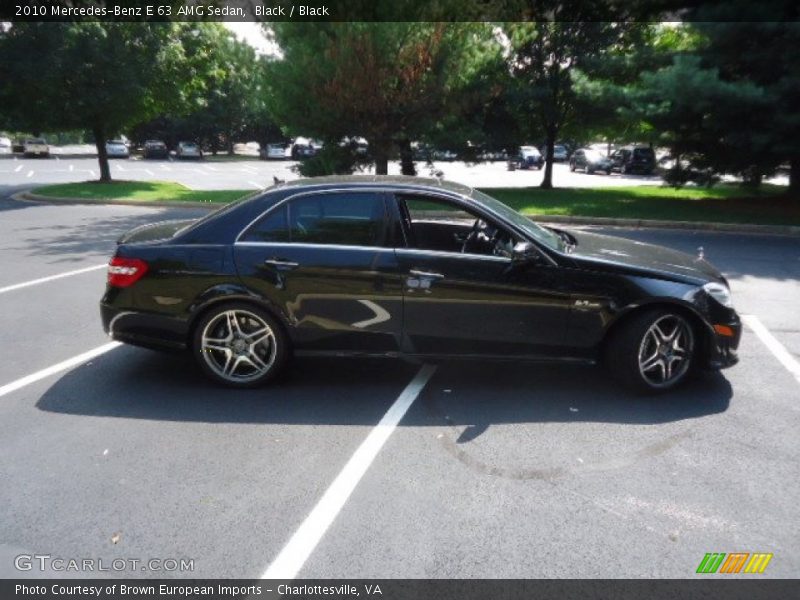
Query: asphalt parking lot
495,470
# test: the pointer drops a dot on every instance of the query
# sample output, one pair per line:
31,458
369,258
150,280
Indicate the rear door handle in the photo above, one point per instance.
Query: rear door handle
425,274
281,264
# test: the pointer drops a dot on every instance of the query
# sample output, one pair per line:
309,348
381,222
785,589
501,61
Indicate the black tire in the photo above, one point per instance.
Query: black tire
572,166
589,171
217,341
635,345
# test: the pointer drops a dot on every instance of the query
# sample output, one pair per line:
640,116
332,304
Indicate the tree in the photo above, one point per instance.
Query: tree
385,82
546,57
99,76
726,101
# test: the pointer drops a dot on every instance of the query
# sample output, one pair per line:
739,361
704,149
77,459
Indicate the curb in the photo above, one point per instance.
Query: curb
792,230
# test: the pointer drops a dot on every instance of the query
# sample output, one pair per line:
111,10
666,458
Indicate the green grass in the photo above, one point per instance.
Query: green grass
138,191
720,204
768,205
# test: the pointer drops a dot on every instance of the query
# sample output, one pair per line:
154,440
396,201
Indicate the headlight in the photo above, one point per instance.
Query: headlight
719,292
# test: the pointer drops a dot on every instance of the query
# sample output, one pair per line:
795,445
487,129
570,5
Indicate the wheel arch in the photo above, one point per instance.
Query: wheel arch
699,325
216,297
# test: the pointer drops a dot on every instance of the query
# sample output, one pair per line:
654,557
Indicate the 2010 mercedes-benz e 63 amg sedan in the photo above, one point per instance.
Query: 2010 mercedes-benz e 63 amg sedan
411,267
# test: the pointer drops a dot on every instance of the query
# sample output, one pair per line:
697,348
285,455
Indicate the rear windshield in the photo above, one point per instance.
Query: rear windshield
643,152
37,141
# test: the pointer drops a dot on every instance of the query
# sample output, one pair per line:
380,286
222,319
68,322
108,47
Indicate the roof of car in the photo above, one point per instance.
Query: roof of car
391,181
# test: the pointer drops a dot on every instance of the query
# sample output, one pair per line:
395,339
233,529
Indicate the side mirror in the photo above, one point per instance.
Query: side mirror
524,252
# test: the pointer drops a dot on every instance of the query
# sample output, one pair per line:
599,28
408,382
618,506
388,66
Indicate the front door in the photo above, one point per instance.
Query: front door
467,298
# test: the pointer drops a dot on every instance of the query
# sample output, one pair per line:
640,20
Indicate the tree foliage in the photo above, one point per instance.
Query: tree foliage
552,62
386,82
97,76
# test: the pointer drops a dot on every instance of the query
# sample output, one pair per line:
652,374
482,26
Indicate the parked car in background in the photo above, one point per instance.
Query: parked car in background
188,150
560,153
529,157
35,147
300,151
411,267
634,159
5,144
117,149
590,161
275,152
155,149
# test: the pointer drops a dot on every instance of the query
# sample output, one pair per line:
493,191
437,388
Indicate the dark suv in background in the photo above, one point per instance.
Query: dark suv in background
634,159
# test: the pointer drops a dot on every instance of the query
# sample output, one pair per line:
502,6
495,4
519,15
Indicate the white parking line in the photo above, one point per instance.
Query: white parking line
30,174
149,172
295,553
778,350
92,173
72,167
16,286
18,169
62,366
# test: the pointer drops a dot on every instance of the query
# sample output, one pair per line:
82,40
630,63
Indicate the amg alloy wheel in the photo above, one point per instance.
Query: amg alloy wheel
665,351
653,351
239,345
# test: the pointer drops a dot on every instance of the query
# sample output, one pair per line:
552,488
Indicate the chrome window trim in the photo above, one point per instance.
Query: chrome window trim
393,192
380,249
307,245
445,254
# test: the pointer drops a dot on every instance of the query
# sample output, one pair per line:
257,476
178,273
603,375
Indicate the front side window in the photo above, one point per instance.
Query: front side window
438,225
349,219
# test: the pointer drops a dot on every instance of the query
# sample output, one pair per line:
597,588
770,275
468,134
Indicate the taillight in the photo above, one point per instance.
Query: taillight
124,272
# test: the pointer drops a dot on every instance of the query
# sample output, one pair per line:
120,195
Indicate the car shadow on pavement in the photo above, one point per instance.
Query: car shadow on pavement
132,383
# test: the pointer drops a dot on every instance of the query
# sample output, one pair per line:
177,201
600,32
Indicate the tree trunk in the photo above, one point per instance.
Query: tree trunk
230,144
99,132
381,164
794,177
547,182
407,166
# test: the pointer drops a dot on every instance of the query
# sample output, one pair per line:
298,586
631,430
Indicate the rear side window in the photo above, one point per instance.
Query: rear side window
645,153
350,219
271,228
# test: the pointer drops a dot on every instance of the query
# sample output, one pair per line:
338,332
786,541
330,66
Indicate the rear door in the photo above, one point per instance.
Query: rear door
325,261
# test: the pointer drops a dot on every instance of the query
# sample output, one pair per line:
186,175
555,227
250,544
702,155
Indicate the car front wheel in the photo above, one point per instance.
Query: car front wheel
240,345
652,352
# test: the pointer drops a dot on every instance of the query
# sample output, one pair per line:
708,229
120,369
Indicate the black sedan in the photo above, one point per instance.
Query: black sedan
393,267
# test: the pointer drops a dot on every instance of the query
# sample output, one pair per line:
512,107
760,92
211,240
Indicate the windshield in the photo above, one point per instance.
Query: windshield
537,232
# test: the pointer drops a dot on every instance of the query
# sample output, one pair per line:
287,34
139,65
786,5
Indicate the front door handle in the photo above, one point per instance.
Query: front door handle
425,274
281,264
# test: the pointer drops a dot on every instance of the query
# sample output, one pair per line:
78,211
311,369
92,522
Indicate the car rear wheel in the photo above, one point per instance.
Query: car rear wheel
653,352
240,346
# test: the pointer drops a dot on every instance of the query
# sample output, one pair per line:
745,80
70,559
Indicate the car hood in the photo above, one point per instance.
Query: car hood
152,232
620,252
